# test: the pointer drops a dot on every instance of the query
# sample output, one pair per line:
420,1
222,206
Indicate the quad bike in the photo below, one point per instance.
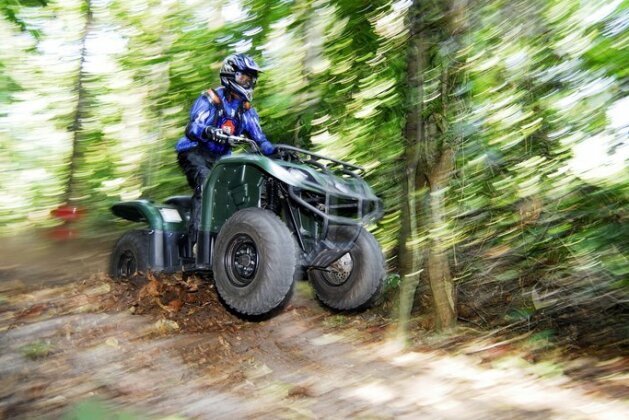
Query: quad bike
265,222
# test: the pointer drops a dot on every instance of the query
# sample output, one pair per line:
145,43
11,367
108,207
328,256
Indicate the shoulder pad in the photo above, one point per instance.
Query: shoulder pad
213,96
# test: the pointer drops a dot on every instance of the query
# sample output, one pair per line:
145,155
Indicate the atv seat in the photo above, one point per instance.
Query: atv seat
181,201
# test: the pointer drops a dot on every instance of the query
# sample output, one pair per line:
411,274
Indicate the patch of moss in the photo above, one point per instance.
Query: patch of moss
36,350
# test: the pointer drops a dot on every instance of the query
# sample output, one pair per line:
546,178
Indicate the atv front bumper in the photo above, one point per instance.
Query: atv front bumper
337,209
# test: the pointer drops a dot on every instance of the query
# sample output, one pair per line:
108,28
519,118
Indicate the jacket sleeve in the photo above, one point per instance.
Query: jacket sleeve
201,116
251,124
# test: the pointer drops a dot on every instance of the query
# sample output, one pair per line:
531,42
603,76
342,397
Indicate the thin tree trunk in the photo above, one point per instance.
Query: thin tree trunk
79,114
404,263
411,269
438,266
409,252
435,157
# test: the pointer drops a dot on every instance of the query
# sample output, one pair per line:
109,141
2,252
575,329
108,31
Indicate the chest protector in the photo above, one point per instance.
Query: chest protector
230,124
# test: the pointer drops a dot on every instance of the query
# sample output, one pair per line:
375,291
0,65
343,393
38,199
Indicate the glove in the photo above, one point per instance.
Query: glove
269,150
216,135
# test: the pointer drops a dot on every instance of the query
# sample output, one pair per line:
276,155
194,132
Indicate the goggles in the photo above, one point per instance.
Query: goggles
245,80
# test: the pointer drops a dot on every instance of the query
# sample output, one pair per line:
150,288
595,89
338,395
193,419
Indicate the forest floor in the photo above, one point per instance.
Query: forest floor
75,343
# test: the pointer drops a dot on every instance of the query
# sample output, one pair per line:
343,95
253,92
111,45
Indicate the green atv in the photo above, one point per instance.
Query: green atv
264,223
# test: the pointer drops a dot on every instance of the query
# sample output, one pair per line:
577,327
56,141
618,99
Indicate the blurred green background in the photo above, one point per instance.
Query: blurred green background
496,131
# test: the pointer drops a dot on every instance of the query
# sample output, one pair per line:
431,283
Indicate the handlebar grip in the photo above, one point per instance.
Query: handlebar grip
233,140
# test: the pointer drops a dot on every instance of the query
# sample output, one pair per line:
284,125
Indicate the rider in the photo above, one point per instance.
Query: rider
227,108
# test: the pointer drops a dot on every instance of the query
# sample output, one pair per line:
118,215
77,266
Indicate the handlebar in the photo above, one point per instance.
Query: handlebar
286,152
315,158
236,140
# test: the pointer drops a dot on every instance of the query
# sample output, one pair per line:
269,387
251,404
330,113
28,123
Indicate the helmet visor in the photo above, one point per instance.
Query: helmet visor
246,80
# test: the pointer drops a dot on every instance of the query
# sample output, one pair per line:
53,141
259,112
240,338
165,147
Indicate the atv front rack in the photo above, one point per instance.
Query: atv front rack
289,152
315,159
331,207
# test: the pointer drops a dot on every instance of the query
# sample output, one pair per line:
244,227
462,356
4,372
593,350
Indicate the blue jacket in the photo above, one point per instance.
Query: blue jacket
236,116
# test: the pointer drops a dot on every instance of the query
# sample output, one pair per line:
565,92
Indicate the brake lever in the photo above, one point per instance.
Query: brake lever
225,137
235,140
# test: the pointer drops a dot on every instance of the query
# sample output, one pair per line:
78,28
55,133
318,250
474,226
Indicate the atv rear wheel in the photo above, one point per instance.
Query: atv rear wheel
130,255
355,280
254,262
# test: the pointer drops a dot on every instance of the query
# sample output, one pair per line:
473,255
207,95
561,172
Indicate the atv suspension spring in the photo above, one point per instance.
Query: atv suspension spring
272,196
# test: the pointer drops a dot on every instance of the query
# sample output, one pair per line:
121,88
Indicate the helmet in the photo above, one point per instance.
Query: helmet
239,74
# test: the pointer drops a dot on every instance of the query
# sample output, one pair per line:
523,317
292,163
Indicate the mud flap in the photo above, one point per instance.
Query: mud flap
156,250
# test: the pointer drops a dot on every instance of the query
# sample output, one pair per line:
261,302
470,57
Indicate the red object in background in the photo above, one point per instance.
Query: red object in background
68,215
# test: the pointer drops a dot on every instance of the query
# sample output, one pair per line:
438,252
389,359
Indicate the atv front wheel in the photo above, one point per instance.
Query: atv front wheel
355,280
254,262
130,255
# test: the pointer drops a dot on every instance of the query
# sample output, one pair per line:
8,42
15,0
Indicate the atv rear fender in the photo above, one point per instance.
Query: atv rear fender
166,228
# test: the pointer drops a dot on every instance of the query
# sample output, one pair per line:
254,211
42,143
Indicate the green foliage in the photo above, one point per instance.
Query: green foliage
538,198
336,321
392,282
95,409
11,10
533,210
36,350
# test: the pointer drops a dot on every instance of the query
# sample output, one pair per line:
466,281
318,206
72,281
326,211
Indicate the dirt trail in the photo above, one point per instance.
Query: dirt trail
65,343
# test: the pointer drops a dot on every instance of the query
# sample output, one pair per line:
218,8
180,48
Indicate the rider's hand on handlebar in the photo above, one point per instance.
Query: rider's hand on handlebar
217,135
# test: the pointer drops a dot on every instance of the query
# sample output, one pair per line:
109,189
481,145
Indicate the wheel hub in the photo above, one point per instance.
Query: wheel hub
245,260
340,270
127,265
242,259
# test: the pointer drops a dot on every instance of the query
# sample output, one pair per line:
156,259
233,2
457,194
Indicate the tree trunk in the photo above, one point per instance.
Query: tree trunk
409,262
79,114
410,268
429,158
438,266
